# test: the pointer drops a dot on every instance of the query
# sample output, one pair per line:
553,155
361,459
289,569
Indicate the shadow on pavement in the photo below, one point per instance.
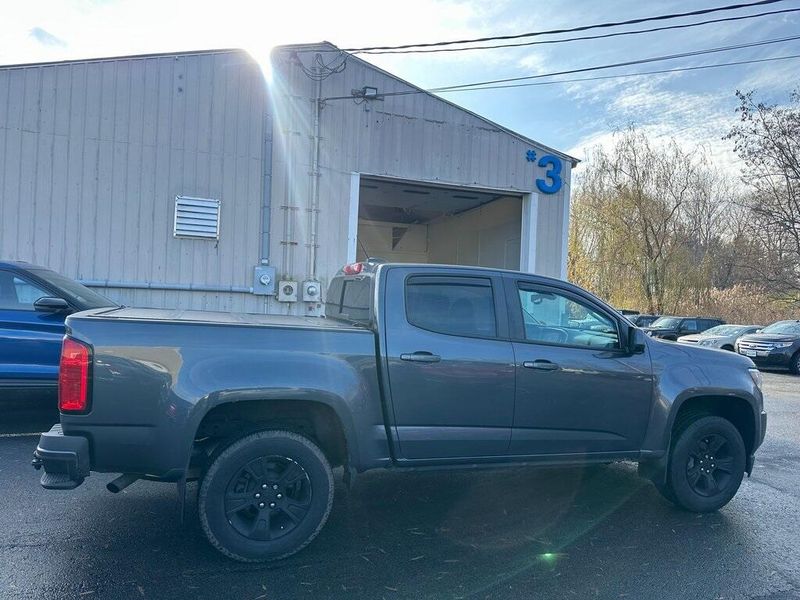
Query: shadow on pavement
25,411
412,535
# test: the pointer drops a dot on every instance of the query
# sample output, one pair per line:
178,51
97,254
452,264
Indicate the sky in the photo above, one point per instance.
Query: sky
696,108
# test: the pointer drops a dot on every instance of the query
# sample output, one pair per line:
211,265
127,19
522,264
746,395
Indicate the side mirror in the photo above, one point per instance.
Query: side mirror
49,304
636,342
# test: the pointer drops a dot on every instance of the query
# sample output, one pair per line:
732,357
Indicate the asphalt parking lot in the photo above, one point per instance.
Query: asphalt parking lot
516,533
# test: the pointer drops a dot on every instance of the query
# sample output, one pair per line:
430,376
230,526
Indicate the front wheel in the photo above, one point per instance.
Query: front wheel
706,465
266,496
794,366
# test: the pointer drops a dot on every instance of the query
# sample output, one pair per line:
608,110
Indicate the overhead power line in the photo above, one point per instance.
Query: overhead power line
620,75
664,17
494,84
627,63
584,37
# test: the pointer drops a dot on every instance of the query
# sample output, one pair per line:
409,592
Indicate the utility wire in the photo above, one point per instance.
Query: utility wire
582,38
704,11
624,63
486,85
621,75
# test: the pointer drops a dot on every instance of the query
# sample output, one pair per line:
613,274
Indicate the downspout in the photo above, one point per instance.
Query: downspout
266,195
313,212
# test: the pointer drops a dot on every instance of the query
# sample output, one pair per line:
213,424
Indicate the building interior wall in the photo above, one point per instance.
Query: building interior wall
486,236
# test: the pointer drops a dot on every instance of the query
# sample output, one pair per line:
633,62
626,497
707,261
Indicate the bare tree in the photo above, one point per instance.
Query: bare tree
767,139
646,217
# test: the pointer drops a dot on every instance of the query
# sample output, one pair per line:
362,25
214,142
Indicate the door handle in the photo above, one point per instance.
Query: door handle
541,365
421,356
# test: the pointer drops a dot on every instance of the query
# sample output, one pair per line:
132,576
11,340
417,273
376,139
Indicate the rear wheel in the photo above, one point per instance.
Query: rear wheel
266,496
706,464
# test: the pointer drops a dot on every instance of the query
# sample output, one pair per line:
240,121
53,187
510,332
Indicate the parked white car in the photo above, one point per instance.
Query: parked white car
721,336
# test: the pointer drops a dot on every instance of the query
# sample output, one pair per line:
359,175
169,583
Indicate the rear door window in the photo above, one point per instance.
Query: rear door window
462,306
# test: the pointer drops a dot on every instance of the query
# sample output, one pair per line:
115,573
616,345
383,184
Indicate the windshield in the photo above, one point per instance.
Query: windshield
665,323
74,291
724,330
791,327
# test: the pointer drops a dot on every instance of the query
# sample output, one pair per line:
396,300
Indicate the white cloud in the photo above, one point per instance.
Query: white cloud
45,38
695,120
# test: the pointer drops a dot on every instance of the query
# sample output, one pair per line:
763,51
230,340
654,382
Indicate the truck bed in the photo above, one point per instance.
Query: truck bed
156,373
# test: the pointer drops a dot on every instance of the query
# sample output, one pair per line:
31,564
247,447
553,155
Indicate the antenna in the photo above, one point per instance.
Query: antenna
363,248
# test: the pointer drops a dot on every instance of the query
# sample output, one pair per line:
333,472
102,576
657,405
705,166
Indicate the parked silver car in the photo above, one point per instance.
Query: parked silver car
721,336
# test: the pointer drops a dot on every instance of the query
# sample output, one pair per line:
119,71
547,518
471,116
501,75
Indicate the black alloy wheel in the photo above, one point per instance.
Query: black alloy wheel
266,496
710,466
706,464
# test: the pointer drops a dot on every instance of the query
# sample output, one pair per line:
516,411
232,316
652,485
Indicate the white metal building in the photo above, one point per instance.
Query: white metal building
196,180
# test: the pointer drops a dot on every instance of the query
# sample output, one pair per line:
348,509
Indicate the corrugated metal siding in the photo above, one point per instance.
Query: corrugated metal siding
92,155
414,136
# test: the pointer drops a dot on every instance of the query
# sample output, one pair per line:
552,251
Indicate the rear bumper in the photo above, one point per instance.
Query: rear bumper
63,459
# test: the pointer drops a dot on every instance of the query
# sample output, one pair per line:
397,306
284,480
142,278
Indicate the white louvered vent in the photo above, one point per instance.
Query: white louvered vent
196,218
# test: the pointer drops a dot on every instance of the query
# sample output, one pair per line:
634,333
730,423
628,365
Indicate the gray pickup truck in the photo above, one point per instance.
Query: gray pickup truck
414,366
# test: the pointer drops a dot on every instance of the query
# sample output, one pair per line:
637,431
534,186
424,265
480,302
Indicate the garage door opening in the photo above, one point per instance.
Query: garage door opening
412,222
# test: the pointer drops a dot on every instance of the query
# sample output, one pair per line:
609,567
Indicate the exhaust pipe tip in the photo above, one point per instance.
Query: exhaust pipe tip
121,482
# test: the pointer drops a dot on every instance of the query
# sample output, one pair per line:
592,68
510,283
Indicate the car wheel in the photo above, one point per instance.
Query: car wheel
706,464
795,364
266,496
728,348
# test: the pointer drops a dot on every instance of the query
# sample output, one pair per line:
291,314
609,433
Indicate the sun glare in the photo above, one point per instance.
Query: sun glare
261,53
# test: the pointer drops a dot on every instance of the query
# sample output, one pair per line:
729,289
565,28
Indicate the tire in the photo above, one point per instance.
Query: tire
693,483
266,496
665,489
794,366
728,348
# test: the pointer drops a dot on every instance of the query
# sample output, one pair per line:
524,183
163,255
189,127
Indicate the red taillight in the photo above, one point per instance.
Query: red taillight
353,268
73,377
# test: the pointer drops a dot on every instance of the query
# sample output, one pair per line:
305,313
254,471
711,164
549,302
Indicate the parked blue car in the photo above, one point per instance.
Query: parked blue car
34,302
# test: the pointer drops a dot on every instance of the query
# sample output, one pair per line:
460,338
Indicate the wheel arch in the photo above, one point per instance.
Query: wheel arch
315,416
737,409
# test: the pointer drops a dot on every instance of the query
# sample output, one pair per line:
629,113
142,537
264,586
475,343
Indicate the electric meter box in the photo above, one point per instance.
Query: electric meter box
264,281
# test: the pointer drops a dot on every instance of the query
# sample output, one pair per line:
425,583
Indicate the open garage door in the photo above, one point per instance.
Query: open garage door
403,221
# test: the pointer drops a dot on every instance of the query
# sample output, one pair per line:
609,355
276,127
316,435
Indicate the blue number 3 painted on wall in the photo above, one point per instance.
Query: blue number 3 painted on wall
553,174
